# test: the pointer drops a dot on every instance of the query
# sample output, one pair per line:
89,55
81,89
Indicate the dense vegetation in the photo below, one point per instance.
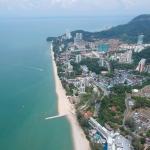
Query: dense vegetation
140,102
68,87
129,31
116,99
143,85
116,65
143,54
76,68
92,64
130,123
148,133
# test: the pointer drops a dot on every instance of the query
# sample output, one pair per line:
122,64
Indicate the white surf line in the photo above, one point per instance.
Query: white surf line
36,68
31,67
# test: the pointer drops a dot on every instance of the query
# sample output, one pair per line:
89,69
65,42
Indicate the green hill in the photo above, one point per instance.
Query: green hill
129,31
143,54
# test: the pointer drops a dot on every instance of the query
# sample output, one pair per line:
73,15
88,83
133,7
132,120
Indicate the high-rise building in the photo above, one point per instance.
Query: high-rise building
106,27
81,36
126,57
101,61
141,65
103,47
68,34
140,39
78,58
87,81
82,86
82,89
78,37
75,40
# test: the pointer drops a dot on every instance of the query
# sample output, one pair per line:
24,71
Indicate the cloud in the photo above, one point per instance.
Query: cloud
27,4
135,4
77,6
9,7
46,4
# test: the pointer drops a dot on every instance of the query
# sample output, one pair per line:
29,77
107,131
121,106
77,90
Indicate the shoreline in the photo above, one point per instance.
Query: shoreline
65,107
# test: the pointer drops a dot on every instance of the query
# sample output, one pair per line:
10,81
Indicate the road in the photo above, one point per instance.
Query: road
126,111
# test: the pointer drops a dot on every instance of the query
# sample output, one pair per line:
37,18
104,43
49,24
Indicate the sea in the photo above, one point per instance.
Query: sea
27,85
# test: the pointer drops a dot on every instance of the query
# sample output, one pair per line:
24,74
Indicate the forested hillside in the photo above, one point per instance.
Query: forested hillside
127,33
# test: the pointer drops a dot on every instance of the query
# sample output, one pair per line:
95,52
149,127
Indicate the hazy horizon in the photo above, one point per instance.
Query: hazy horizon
71,8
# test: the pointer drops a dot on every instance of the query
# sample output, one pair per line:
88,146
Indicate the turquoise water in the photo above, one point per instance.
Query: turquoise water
27,95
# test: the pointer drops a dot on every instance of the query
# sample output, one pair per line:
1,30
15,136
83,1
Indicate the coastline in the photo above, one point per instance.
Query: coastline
65,107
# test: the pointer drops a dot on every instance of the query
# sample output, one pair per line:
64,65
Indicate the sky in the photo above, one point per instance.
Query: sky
48,8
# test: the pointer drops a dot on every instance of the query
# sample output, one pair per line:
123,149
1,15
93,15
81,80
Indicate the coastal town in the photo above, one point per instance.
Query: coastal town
91,72
75,75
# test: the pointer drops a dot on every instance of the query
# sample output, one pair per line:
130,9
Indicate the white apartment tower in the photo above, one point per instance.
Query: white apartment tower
87,81
78,58
82,86
126,57
101,61
141,65
78,37
75,40
129,56
68,34
81,36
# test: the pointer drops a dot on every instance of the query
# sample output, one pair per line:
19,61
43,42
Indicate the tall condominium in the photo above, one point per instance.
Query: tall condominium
101,61
68,34
82,86
106,27
78,58
103,47
126,57
81,36
141,65
78,37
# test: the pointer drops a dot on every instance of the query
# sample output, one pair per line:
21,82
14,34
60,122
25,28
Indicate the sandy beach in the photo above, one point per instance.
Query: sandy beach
65,107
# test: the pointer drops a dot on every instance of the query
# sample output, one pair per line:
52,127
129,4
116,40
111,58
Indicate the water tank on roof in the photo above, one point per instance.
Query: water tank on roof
135,90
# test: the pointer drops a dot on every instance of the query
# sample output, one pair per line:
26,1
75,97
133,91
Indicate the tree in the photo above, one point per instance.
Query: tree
136,143
92,64
125,82
122,128
148,133
143,141
76,94
96,146
84,122
130,123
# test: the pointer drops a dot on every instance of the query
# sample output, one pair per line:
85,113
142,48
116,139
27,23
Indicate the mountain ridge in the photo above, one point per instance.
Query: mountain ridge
127,33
